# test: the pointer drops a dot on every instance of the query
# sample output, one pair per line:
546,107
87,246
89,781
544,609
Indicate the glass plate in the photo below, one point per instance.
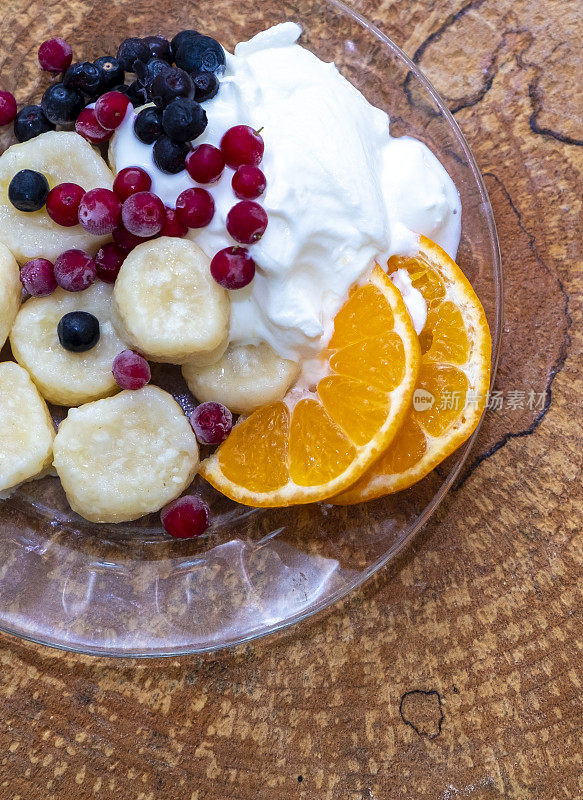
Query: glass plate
129,590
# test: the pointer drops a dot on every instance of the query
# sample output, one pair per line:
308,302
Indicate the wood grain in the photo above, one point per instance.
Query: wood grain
456,673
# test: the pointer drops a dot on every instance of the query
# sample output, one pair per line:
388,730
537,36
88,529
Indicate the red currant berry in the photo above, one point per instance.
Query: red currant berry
38,277
8,109
211,422
143,214
185,518
172,225
63,204
110,109
195,207
99,211
131,370
127,241
108,262
246,222
242,145
87,126
205,164
233,267
248,182
55,55
75,270
130,181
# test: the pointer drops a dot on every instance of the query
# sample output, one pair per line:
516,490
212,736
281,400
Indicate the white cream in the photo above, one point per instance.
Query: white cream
341,192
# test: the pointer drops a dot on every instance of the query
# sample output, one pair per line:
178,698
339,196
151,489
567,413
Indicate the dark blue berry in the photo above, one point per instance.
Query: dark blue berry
159,47
28,190
170,84
148,125
84,77
78,331
136,93
62,105
184,119
145,73
130,51
170,156
111,72
206,86
30,122
200,54
180,39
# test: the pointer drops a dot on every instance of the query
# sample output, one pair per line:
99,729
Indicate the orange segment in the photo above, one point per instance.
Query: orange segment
455,373
308,449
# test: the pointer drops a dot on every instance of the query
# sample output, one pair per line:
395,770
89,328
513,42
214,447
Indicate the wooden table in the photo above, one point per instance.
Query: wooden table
458,672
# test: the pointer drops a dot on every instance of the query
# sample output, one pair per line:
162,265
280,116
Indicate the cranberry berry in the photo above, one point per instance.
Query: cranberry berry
211,422
63,204
78,331
108,262
126,241
83,76
130,51
75,270
246,222
131,370
143,214
205,164
131,180
38,277
110,109
55,55
87,126
148,125
100,211
8,109
62,105
185,518
233,267
195,208
173,226
31,122
248,182
28,190
242,145
170,156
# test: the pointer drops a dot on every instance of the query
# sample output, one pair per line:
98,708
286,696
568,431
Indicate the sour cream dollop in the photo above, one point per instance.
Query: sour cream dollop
341,191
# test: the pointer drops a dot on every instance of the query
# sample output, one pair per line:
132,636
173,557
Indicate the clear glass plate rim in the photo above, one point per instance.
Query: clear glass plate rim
399,546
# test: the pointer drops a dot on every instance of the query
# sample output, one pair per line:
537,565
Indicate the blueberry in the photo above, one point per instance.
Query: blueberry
136,93
200,54
159,47
170,84
62,105
78,331
111,72
206,86
28,190
146,73
170,156
180,39
148,125
84,77
30,122
130,51
184,119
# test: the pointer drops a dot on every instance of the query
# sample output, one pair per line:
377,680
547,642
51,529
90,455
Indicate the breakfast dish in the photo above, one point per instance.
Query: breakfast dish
248,218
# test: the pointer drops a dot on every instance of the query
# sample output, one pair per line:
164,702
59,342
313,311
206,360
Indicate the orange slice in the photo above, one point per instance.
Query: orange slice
312,445
453,380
